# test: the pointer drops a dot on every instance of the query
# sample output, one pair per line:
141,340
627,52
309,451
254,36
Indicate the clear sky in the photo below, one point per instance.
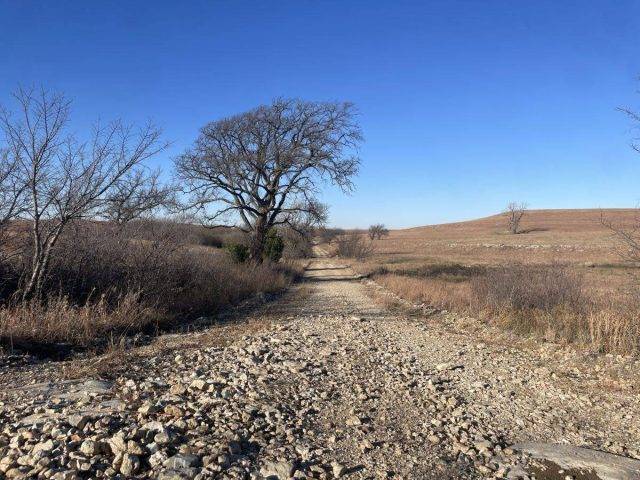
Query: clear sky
465,106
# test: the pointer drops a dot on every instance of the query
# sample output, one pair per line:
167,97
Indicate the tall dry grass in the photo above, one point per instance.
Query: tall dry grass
58,320
548,301
431,291
107,281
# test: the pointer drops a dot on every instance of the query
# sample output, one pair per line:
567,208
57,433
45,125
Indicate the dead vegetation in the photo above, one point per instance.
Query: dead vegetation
105,282
86,248
551,302
353,245
562,278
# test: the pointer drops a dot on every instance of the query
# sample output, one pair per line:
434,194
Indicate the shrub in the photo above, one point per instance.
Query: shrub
297,245
328,235
378,231
353,245
209,239
104,282
239,253
274,246
530,287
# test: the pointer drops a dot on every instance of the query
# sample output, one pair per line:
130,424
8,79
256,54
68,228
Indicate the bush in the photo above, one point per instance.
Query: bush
297,245
378,231
547,301
328,235
273,246
530,287
209,239
353,245
239,253
104,282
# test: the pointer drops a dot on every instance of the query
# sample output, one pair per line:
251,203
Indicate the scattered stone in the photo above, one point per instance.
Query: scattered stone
392,396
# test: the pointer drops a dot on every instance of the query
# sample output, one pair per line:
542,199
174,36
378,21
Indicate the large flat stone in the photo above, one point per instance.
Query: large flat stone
606,465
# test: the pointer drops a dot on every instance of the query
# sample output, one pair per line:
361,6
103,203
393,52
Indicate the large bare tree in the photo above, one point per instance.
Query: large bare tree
65,179
262,168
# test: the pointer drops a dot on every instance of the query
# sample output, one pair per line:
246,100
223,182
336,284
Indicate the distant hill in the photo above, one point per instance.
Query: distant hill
547,235
538,221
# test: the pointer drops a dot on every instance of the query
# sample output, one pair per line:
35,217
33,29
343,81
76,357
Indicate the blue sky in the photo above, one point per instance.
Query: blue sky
465,106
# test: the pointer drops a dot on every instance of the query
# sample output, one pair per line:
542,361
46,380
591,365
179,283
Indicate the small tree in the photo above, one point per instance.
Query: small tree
262,168
514,212
378,231
66,180
353,245
239,252
628,236
273,246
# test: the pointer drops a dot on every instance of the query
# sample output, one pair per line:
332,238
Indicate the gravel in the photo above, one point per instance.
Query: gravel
332,386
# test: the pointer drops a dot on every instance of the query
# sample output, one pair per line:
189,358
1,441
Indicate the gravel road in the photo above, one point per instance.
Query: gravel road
322,383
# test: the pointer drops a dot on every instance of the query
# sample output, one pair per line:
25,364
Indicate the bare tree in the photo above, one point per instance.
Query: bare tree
66,180
12,199
635,117
377,231
514,212
137,194
627,235
262,168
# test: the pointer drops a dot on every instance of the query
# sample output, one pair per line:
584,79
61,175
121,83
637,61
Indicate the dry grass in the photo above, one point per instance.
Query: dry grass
561,280
434,292
58,320
106,284
544,301
570,236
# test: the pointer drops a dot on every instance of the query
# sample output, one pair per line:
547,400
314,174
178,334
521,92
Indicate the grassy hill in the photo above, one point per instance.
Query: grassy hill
574,236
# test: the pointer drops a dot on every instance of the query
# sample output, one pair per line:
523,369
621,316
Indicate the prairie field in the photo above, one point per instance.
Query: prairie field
563,277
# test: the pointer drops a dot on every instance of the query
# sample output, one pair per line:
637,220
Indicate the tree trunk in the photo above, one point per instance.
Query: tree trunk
29,289
256,249
41,260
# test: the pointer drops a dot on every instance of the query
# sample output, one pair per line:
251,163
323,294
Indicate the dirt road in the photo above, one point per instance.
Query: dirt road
323,383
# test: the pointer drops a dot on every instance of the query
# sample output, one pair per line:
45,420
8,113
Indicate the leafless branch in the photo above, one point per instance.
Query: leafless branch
263,167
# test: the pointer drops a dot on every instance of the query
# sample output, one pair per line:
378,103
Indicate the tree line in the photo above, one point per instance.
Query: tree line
254,171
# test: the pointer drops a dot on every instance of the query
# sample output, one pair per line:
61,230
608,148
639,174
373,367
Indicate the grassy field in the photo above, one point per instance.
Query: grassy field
573,237
562,278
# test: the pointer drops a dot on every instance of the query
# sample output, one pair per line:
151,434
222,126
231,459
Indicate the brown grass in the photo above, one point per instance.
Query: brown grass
58,320
433,292
544,301
105,284
570,236
561,280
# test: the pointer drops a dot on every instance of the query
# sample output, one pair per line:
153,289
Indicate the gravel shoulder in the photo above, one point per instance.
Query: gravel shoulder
322,383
